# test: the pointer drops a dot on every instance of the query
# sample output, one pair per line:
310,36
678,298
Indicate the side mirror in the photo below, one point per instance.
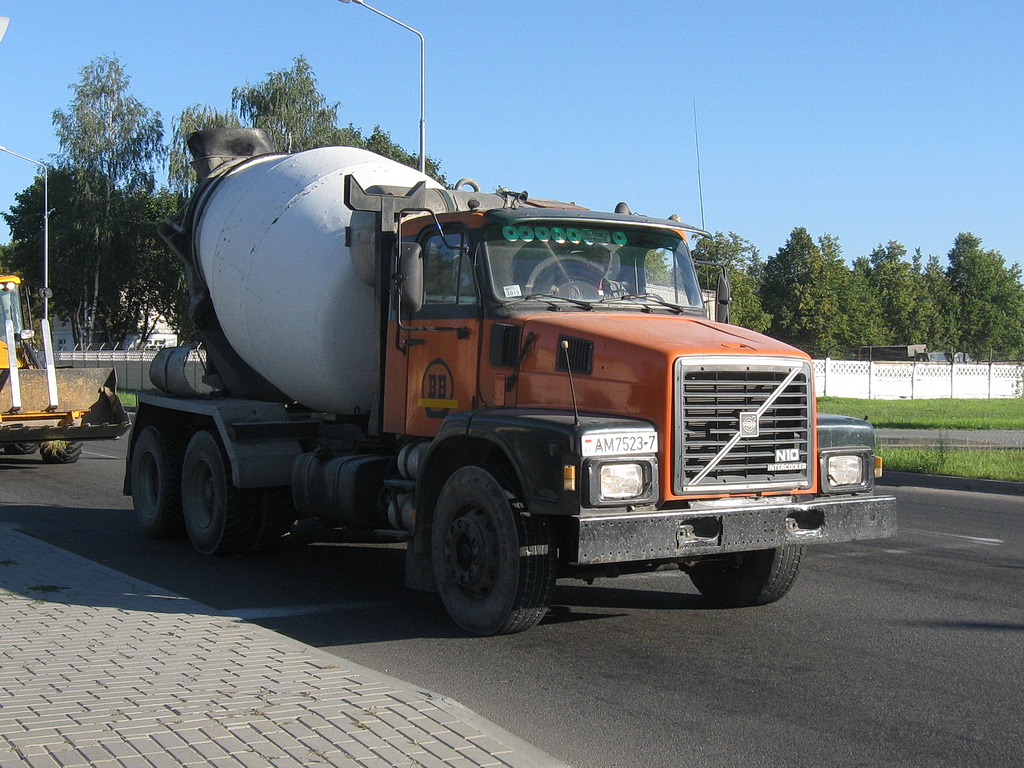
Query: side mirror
723,297
410,262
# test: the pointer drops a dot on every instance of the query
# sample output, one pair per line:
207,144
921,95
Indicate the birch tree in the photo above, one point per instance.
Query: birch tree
110,140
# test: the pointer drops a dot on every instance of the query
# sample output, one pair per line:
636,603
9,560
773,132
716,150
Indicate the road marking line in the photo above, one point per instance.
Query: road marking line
972,539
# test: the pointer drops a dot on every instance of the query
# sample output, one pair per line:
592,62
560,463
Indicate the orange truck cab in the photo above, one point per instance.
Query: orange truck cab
551,401
569,350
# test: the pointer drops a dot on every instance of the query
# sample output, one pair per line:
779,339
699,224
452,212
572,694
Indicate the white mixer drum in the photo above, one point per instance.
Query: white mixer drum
270,241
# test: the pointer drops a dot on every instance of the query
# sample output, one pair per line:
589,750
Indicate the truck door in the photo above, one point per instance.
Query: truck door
443,344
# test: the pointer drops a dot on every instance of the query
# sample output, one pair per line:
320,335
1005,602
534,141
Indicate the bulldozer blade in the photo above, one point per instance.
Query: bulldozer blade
89,392
71,433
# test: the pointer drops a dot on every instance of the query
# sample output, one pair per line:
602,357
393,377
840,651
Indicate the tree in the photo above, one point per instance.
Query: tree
181,176
380,142
988,300
147,289
782,274
815,302
290,106
72,241
136,285
742,262
109,132
110,144
865,321
894,284
939,311
823,300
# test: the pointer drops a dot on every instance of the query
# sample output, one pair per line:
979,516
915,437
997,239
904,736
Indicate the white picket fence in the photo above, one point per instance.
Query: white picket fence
895,381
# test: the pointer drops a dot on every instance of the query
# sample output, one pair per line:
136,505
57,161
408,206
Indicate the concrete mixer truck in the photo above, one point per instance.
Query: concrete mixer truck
521,390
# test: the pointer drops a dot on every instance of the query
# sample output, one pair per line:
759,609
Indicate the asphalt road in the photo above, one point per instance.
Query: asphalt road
902,652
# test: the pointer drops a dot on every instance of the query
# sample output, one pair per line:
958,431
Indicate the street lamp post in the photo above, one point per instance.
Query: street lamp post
423,90
46,229
44,322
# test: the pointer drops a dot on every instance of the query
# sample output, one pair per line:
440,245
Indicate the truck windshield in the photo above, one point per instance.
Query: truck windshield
589,263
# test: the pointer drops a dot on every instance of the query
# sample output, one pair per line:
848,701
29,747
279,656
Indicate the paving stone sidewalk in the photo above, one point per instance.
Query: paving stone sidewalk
99,670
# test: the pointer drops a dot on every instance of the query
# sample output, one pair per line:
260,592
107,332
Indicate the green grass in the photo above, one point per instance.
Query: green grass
128,399
944,413
986,464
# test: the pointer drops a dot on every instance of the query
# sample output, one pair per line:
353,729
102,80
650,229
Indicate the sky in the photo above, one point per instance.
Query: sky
870,121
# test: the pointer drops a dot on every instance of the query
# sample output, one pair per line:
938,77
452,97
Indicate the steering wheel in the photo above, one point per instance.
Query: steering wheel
567,277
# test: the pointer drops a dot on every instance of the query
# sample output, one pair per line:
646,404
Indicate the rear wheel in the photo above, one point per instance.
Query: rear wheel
156,483
748,578
493,563
220,518
61,451
274,518
21,449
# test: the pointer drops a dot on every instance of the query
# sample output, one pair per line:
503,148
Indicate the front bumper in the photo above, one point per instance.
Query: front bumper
678,535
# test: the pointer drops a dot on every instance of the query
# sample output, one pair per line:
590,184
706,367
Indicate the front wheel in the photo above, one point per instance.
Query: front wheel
493,563
748,578
61,451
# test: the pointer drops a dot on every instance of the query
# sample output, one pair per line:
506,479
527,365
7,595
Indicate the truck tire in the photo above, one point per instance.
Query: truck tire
20,449
494,565
275,517
156,483
220,518
748,578
61,451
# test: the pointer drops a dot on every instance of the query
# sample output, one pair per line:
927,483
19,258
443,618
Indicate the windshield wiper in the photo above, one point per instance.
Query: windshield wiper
548,296
643,298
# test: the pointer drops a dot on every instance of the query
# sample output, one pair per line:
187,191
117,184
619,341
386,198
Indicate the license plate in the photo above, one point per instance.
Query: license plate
620,444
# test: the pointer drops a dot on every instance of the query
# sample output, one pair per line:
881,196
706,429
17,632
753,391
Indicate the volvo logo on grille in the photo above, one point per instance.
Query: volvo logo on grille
749,424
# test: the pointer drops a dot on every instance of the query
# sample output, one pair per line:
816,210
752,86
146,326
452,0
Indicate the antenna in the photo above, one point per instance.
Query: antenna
696,143
572,387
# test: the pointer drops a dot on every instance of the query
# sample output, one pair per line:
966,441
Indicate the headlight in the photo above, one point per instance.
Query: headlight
615,482
844,470
621,481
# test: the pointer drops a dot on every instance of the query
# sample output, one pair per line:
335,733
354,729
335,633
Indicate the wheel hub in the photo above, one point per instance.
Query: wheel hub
206,488
471,553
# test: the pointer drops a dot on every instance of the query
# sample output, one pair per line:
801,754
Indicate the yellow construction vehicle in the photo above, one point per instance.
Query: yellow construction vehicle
43,407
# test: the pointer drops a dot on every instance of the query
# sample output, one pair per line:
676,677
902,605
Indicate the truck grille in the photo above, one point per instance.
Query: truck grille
742,425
